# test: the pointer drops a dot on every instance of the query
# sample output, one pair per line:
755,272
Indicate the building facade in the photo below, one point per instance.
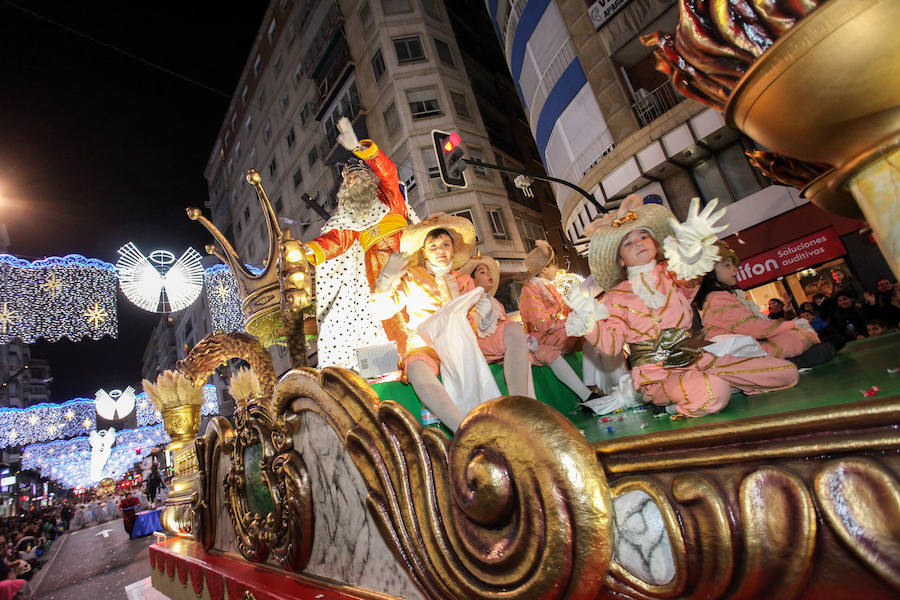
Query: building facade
603,116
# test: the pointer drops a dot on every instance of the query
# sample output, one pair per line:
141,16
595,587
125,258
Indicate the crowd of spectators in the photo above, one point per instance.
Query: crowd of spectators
851,312
24,539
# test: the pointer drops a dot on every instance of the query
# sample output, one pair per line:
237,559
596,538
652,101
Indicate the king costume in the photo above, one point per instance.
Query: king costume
348,256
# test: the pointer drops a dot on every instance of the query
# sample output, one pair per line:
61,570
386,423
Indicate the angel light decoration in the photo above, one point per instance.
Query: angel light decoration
158,282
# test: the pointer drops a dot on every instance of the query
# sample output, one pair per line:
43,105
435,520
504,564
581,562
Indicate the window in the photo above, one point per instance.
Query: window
249,124
434,174
391,120
234,121
312,156
271,32
378,64
262,99
285,100
467,214
253,157
304,113
497,226
237,150
395,7
237,227
256,65
365,16
460,104
409,49
423,103
230,166
346,105
298,178
531,232
292,37
244,94
273,167
267,132
246,213
444,53
475,154
298,74
290,138
279,205
276,64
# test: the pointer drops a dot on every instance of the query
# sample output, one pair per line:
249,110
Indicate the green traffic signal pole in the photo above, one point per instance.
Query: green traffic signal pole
590,198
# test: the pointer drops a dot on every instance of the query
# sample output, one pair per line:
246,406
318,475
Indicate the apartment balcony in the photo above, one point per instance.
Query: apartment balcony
649,106
329,31
338,69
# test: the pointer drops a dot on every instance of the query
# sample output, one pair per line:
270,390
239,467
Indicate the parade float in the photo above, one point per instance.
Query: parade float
326,486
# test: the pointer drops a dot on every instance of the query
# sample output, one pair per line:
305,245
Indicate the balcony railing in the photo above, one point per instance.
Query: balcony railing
649,106
319,44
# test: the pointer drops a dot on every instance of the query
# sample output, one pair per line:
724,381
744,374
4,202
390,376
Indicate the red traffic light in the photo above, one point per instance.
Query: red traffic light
452,142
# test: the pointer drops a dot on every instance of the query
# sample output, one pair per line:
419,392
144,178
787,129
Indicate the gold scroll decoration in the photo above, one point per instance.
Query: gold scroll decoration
219,437
861,501
286,531
515,507
218,348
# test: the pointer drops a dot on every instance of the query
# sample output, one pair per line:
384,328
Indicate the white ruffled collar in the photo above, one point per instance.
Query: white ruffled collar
644,283
436,271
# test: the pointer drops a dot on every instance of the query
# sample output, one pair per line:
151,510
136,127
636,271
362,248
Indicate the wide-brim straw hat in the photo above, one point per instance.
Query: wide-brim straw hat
539,257
461,229
492,265
725,252
608,232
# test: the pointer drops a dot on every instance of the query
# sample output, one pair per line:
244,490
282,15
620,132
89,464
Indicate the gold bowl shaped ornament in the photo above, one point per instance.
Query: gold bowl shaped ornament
828,91
180,402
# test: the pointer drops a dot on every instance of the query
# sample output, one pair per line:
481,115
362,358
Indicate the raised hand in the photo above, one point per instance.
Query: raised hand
700,225
394,269
347,137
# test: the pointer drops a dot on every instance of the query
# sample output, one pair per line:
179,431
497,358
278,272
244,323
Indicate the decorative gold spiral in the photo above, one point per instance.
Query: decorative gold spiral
494,513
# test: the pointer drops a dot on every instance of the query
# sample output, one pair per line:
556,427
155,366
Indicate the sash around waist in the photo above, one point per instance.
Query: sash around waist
675,347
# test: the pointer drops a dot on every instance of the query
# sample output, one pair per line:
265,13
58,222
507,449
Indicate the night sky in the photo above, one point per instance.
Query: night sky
98,148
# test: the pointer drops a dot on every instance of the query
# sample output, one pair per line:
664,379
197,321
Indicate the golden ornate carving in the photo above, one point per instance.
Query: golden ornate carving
219,437
286,530
860,500
218,348
515,507
179,401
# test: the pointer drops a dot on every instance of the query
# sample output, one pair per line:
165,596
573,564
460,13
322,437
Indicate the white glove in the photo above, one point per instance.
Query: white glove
692,251
578,325
532,344
579,302
394,269
347,137
622,396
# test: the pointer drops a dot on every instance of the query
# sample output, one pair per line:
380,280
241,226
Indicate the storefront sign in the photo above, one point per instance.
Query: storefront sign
602,11
811,250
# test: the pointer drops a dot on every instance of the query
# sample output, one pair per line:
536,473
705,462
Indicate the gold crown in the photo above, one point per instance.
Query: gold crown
260,293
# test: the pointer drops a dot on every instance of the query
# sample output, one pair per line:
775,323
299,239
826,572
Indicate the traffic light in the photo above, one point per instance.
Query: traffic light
449,153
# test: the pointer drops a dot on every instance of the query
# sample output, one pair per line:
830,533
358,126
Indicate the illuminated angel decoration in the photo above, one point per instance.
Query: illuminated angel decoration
115,404
101,448
159,283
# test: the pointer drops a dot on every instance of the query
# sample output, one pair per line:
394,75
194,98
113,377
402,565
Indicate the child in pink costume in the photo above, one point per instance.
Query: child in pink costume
500,339
648,306
544,313
725,311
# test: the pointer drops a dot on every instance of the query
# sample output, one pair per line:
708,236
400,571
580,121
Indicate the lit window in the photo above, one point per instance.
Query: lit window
409,49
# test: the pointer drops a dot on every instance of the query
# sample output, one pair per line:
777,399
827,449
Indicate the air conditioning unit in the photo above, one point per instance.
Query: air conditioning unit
376,360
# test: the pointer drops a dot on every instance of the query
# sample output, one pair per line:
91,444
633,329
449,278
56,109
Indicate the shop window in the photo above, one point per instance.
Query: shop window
378,67
409,49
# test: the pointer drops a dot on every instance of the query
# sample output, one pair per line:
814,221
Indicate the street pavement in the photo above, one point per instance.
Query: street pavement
95,563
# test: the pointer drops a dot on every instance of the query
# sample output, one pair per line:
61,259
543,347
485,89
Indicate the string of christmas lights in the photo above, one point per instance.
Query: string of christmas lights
44,422
56,297
68,462
224,300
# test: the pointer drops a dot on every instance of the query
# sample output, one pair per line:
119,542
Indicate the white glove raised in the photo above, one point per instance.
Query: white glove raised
394,269
692,250
579,301
347,137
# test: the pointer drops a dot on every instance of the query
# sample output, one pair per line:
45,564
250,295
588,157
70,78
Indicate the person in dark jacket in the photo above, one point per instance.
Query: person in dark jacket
154,483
